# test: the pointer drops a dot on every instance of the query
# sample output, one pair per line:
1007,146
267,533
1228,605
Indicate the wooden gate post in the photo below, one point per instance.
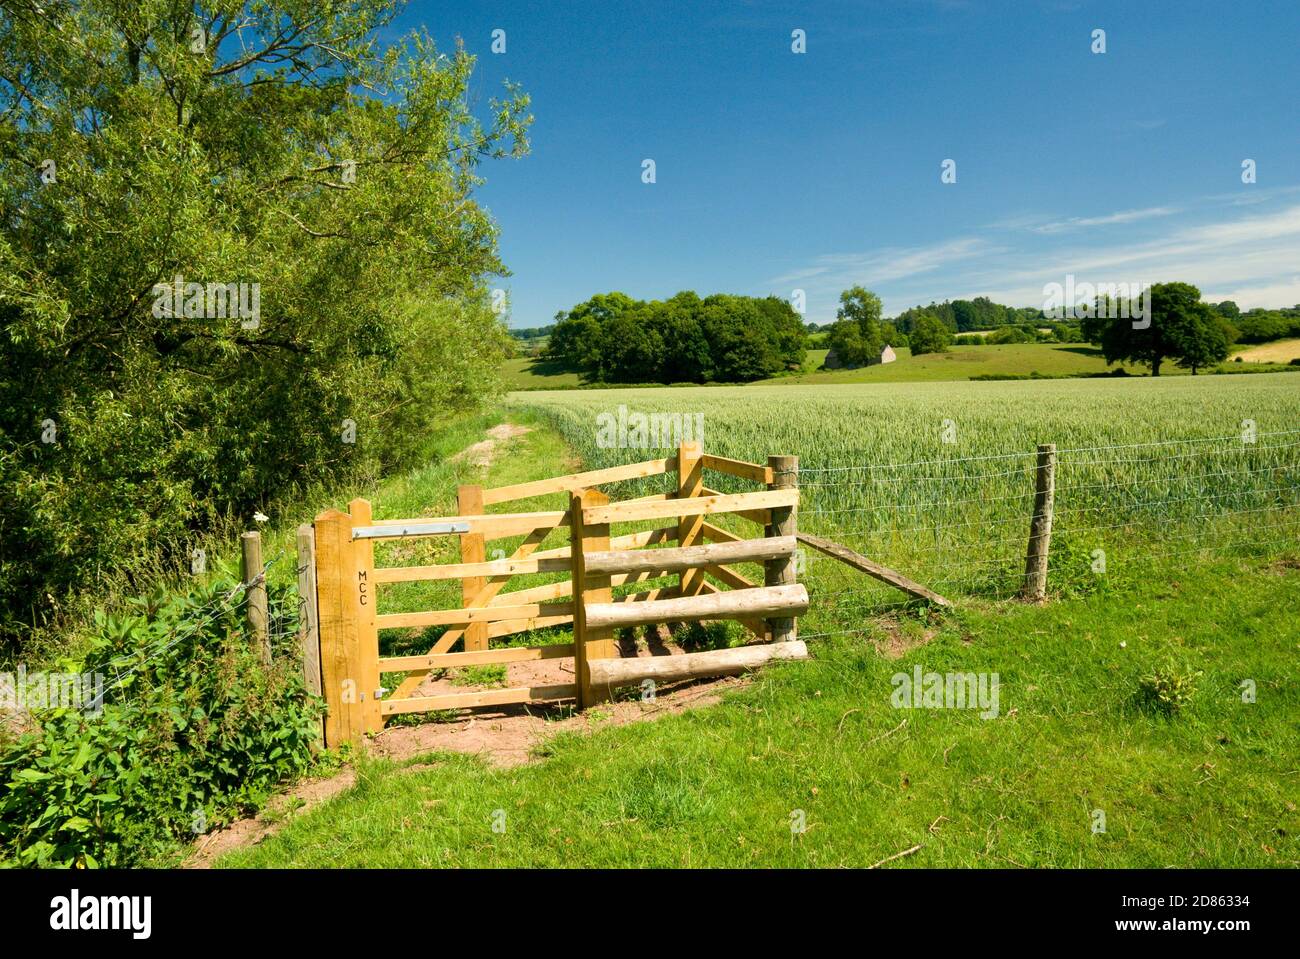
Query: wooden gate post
308,621
783,522
588,644
690,529
255,605
1040,527
336,600
367,637
473,549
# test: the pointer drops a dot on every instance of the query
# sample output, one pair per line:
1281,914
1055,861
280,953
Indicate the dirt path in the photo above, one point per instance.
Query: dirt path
484,452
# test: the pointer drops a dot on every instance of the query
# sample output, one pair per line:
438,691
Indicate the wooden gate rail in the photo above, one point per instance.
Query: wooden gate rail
348,583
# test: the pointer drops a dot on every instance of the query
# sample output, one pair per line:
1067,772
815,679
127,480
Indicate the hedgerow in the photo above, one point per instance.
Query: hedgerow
194,730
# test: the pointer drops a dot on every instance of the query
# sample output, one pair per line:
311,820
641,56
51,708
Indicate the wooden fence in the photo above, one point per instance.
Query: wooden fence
348,586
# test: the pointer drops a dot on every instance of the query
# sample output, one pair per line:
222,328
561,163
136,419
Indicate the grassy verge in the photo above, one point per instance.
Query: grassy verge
1212,784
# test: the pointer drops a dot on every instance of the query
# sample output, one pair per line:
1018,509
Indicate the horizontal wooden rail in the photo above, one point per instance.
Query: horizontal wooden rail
733,604
756,626
578,481
501,567
690,557
760,516
511,626
691,506
750,471
493,526
608,673
412,529
490,697
479,657
474,614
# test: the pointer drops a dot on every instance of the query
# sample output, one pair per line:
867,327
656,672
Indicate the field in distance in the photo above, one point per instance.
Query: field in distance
1279,351
959,363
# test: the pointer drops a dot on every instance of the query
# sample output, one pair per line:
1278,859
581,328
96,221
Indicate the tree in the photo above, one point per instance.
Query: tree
1203,340
1180,327
153,158
576,338
613,338
845,340
862,307
965,316
929,335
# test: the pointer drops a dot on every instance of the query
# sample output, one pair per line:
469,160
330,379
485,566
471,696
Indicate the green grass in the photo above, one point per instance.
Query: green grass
526,373
1215,785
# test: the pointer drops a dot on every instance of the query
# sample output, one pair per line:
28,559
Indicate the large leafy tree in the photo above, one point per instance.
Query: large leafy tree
1180,328
929,335
272,142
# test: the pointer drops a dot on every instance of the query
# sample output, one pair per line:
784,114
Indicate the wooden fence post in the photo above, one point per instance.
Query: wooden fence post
336,600
308,631
473,549
255,592
588,644
782,571
690,529
367,637
1040,527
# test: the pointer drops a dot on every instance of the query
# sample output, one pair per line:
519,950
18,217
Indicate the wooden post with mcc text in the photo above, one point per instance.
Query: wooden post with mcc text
337,622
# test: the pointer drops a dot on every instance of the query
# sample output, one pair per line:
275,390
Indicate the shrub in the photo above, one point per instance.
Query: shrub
194,731
1167,689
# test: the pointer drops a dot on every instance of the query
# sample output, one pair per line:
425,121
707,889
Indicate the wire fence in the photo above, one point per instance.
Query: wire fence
960,525
282,628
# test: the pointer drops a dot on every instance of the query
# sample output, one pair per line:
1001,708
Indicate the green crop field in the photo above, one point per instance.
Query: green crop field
937,481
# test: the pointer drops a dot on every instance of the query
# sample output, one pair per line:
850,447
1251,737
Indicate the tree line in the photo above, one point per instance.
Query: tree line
612,338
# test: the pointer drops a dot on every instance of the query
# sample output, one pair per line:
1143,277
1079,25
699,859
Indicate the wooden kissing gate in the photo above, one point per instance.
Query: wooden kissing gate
347,587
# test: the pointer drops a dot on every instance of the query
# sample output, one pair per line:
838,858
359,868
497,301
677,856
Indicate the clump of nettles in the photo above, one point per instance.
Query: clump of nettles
1168,688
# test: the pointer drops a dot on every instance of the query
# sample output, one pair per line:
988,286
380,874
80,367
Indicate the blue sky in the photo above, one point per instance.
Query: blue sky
779,171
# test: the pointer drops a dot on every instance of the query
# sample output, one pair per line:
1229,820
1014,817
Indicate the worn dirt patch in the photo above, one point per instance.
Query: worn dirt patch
251,831
896,640
504,736
484,452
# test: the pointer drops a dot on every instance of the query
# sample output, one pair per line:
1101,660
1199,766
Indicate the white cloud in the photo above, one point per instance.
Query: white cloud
1124,216
1244,255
